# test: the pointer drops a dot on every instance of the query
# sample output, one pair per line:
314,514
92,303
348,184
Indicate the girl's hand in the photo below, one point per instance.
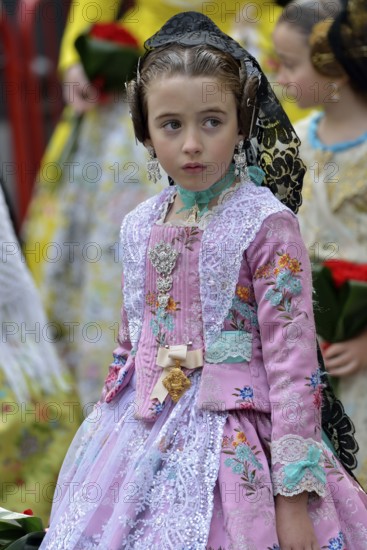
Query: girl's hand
78,91
294,527
345,358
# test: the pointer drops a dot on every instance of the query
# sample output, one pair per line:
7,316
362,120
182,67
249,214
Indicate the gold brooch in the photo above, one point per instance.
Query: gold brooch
176,382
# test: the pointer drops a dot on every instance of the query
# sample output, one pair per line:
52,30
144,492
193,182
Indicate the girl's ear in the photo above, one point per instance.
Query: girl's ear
148,143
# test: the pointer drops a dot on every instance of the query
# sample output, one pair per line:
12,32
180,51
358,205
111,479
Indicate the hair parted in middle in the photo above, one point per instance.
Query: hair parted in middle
196,61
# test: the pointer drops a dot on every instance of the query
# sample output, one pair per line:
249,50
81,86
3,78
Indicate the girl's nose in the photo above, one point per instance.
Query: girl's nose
192,142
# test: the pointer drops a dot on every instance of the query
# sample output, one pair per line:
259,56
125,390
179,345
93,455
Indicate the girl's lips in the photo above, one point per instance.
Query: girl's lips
193,168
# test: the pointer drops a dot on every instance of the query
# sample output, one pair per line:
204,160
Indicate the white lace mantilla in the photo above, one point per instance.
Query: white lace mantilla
298,466
231,230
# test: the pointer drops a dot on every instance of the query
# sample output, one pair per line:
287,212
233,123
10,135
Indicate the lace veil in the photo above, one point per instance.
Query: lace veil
273,144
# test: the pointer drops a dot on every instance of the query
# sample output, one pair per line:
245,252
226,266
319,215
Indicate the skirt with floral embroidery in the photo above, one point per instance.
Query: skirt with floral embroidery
192,480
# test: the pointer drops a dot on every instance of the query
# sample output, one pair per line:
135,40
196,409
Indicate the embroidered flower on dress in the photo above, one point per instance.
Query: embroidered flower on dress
246,394
285,285
187,237
172,305
336,543
240,438
315,379
244,293
244,462
316,385
157,407
119,360
151,299
274,297
264,271
242,314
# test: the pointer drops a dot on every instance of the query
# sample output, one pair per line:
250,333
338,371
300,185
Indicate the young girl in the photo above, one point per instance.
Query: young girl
208,434
104,180
323,54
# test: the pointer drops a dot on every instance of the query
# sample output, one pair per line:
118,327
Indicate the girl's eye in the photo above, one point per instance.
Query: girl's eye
171,125
212,122
289,65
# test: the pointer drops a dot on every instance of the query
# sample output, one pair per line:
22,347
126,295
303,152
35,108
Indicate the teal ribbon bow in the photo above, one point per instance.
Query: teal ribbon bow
295,472
203,198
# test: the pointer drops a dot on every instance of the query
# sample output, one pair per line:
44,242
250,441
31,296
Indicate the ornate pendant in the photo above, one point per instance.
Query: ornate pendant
193,214
176,382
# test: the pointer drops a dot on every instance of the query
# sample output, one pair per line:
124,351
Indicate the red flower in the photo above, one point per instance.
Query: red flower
343,271
113,32
28,512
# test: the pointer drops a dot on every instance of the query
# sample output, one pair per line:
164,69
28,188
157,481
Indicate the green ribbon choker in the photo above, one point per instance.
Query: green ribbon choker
200,200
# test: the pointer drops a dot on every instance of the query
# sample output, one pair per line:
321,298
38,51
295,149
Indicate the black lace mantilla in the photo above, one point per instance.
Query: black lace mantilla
336,424
274,145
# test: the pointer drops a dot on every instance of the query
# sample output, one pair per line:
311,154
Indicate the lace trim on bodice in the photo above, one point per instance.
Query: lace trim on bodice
232,227
205,218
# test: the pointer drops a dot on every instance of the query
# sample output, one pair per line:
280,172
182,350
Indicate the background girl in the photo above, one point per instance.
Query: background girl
322,49
210,418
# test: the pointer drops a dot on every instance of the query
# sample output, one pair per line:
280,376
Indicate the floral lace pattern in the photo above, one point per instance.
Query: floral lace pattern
173,481
231,345
228,236
301,464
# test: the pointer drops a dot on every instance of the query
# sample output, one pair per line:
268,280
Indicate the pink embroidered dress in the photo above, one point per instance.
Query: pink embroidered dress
231,299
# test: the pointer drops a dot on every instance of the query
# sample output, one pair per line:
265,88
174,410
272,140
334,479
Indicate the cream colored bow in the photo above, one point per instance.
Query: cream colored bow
167,358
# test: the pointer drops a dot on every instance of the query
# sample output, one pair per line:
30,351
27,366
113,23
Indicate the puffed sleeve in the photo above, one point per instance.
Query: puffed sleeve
282,282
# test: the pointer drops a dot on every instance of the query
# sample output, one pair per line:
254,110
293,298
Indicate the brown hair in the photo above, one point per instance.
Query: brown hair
337,36
308,16
201,60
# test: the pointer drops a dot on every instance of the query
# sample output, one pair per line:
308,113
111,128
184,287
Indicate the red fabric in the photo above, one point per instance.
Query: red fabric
343,271
113,32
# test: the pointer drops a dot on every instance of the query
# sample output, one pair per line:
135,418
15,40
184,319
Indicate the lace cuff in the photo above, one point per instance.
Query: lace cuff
232,346
298,465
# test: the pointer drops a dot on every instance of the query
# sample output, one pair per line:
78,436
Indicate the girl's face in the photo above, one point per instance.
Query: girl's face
193,128
300,81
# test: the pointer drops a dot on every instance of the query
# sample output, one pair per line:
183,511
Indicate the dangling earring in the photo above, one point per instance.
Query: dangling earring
336,92
240,162
154,173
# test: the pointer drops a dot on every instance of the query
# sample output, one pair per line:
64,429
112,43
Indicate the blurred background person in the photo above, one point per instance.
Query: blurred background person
322,48
39,413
